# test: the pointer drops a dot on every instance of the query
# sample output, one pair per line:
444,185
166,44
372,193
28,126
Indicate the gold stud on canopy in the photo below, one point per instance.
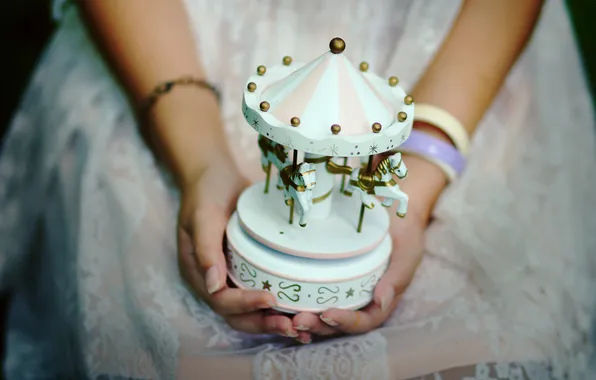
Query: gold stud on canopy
376,127
295,121
287,60
364,66
337,45
261,70
393,81
264,106
402,116
335,129
409,100
252,86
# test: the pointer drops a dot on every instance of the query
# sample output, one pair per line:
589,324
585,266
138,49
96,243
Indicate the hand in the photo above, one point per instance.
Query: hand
424,184
408,247
206,204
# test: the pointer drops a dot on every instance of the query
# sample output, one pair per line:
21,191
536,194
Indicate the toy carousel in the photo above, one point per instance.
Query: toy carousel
318,237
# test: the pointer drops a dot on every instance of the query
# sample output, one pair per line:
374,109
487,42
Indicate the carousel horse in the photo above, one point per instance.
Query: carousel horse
379,183
273,153
298,185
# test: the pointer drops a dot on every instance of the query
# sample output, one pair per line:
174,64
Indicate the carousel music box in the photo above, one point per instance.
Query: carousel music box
317,238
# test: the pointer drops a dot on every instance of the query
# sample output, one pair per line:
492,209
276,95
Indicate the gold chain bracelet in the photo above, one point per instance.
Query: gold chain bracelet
166,87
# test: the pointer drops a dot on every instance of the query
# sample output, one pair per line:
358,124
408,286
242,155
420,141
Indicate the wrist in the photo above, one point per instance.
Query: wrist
431,130
424,184
186,132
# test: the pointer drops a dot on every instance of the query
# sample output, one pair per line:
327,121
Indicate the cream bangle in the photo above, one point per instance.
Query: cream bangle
444,121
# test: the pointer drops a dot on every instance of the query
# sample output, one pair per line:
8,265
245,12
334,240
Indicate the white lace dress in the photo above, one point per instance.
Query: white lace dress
87,221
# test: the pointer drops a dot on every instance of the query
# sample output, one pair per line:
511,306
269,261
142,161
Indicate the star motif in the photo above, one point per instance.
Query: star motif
255,123
373,149
403,138
266,285
333,149
350,293
288,143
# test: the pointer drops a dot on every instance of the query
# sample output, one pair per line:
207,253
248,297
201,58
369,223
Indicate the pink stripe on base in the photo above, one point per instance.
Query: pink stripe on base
298,279
310,255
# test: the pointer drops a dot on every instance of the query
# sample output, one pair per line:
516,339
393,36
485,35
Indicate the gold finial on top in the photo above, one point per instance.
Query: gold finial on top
264,106
295,121
337,45
335,129
261,70
393,81
252,87
409,100
364,66
402,116
287,60
376,127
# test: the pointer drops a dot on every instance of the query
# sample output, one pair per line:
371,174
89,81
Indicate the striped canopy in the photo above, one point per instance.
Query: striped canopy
327,91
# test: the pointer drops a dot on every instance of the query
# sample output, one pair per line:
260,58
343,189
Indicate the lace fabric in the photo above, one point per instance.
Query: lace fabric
509,267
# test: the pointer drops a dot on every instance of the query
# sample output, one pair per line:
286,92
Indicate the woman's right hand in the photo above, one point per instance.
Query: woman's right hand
206,204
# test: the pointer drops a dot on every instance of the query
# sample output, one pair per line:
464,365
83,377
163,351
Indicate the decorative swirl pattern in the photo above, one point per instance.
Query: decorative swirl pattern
332,299
295,287
252,273
368,285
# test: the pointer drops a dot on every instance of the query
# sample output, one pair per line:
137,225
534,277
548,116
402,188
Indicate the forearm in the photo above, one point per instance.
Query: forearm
476,56
147,43
466,74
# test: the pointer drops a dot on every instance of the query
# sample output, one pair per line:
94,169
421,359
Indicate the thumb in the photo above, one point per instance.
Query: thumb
207,234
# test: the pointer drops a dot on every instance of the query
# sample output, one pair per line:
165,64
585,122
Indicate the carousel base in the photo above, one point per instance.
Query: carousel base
304,284
265,217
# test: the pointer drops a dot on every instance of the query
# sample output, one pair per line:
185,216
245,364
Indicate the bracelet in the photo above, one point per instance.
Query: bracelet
166,87
444,121
438,152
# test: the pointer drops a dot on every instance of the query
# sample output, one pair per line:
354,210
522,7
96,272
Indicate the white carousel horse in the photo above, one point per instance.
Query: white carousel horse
298,186
381,183
273,153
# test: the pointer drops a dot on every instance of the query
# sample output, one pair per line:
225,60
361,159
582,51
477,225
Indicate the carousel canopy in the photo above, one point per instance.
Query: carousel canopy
328,106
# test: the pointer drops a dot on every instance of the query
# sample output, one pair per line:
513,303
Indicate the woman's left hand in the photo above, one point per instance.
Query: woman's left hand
423,186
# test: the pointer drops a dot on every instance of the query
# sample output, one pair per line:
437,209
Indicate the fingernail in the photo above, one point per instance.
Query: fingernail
386,299
212,280
290,334
302,328
268,304
328,321
304,341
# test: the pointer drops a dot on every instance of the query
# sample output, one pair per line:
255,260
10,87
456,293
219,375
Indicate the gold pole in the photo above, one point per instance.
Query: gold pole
368,172
268,178
343,177
294,165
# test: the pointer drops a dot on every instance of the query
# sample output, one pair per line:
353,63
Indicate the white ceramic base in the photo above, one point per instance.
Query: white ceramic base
302,284
265,217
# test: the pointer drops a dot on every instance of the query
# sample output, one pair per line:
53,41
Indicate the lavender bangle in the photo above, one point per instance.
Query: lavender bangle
440,153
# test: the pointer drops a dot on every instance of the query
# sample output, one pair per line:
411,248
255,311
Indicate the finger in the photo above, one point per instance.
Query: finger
313,324
355,322
304,337
398,276
207,236
230,301
261,323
